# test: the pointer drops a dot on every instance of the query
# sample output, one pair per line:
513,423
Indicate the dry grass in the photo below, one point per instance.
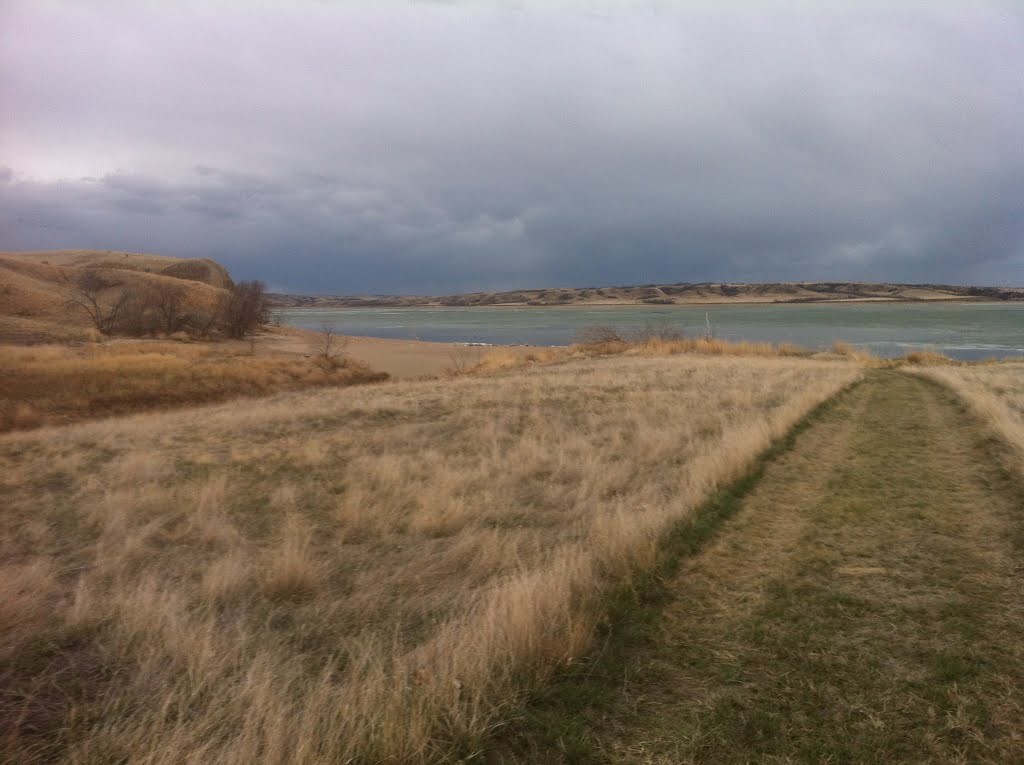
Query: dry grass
864,605
994,391
366,575
503,358
57,384
927,358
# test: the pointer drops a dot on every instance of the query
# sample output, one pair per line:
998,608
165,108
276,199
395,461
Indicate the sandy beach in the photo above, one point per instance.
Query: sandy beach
402,359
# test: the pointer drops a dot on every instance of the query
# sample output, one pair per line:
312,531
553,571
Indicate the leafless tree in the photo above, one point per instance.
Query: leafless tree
167,301
85,291
461,360
246,309
155,307
330,347
598,335
658,330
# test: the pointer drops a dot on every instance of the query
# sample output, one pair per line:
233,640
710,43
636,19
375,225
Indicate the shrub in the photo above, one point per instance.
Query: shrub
598,335
86,291
246,309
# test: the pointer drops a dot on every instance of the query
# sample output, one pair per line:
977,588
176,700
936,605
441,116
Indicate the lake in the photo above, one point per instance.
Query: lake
961,330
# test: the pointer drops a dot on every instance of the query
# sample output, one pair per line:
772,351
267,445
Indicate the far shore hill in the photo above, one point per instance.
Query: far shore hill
681,293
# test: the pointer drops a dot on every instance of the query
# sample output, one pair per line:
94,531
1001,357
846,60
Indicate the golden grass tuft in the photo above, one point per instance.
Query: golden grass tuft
292,570
212,589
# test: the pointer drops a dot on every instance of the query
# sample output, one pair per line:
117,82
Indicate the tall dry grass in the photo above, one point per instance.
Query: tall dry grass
995,392
51,384
363,575
645,346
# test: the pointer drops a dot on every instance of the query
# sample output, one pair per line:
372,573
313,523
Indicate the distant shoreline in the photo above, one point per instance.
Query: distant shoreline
668,295
654,306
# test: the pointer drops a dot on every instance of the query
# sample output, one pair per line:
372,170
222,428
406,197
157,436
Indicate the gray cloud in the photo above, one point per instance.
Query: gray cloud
445,147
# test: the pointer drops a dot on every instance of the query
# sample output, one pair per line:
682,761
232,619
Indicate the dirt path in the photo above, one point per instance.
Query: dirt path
865,605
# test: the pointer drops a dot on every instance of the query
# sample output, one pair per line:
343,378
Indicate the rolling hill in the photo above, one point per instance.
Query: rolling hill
34,287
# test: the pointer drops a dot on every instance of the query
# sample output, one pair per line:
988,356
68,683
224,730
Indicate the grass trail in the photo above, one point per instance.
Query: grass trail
864,605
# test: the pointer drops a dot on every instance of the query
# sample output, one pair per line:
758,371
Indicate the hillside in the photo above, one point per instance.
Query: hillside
667,294
34,287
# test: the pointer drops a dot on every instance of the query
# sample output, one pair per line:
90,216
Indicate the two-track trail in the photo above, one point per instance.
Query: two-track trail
864,605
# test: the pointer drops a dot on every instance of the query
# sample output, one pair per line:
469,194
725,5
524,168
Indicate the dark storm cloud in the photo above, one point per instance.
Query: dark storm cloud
442,147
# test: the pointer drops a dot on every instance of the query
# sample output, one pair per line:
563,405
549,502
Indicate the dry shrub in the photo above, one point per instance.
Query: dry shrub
855,354
501,358
599,335
791,349
926,358
447,546
663,330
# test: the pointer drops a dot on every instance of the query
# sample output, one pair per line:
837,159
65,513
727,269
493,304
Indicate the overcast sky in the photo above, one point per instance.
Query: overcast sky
429,147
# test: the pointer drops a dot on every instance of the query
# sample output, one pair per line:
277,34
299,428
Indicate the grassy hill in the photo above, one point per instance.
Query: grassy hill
34,288
51,372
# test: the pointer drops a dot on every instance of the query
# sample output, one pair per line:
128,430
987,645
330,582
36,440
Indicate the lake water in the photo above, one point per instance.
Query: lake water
960,330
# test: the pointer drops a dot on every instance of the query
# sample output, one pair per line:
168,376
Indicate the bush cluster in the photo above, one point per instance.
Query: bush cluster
164,308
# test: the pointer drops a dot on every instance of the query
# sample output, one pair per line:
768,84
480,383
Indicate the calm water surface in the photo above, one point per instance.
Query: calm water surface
960,330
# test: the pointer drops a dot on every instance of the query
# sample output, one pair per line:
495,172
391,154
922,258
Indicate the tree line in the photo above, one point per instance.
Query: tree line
163,307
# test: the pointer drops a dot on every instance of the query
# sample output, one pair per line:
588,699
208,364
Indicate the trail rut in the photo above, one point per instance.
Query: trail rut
864,605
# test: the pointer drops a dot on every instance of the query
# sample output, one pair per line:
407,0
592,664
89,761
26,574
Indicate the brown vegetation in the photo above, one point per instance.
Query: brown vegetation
652,341
368,575
994,391
57,384
65,295
860,602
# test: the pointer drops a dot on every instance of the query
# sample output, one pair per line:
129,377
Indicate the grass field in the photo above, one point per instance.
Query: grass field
371,574
994,391
858,601
54,384
59,384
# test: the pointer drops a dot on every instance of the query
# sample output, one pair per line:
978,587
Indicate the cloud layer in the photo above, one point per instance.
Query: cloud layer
414,147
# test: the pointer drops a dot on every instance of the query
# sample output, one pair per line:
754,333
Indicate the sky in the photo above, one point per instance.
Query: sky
441,147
